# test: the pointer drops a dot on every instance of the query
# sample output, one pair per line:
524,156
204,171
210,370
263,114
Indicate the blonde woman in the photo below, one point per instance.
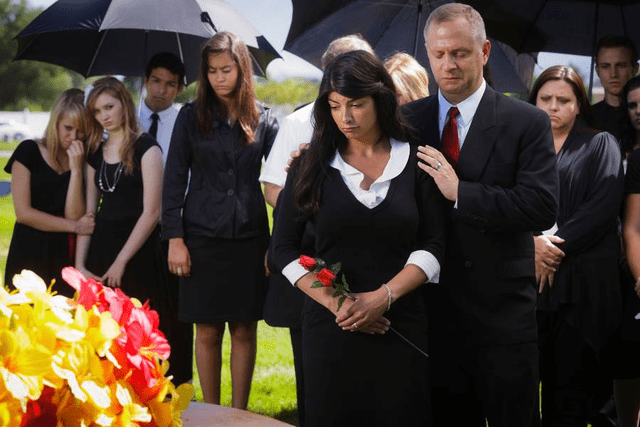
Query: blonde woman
48,198
409,77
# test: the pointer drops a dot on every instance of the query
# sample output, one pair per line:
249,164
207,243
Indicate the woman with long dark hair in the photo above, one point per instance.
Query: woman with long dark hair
214,213
48,196
358,185
124,176
577,260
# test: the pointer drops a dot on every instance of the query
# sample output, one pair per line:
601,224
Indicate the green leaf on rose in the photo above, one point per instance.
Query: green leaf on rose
340,301
335,268
317,284
336,293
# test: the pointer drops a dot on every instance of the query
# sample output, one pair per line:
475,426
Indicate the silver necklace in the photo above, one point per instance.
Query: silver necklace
103,178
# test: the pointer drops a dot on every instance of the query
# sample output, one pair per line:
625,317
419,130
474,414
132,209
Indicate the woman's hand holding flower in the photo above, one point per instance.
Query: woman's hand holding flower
362,312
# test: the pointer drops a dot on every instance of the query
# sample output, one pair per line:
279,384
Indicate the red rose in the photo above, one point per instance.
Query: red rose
326,276
307,262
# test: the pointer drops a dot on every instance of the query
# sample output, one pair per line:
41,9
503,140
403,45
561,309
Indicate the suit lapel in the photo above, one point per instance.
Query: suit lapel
423,116
480,139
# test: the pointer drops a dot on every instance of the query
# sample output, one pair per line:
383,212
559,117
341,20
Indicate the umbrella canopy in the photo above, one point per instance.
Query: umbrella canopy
100,37
561,26
567,26
391,25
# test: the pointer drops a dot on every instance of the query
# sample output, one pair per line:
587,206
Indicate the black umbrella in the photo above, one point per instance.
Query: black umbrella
567,26
390,25
100,37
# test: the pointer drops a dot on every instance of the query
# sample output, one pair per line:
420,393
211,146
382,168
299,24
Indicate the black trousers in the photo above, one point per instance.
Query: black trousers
179,334
296,346
498,384
567,370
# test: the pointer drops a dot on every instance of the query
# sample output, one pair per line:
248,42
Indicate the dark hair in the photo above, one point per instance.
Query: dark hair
354,75
628,133
208,106
618,41
168,61
584,120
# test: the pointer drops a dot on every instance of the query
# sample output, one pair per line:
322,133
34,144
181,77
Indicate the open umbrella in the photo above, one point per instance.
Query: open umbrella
100,37
561,26
391,25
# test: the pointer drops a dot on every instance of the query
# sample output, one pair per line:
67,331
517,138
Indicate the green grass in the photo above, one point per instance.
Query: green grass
273,390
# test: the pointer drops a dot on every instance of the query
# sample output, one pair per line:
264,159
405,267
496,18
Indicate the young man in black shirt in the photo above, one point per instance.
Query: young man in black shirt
616,62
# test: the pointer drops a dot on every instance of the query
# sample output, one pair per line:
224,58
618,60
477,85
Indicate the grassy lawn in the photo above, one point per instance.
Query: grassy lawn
273,390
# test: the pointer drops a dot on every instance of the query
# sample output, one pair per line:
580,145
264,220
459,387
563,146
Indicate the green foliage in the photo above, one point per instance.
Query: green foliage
294,92
189,93
25,84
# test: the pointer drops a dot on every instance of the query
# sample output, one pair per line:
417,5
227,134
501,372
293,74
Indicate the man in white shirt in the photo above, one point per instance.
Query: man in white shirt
164,81
493,158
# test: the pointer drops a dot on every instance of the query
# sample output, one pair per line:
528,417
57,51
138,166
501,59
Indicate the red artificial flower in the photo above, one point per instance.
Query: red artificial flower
120,305
326,277
307,262
42,412
90,292
143,343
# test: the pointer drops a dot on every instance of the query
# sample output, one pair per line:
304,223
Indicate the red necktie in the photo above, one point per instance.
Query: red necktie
450,142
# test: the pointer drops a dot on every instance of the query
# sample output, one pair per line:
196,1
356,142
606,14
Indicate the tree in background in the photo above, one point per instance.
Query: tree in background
26,84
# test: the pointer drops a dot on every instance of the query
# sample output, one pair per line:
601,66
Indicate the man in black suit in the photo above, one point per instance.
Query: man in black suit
493,158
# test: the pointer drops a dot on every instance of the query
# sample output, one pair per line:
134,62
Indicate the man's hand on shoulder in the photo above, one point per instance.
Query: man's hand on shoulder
434,163
295,154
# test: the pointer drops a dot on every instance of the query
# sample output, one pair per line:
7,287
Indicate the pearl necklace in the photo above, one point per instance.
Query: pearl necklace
110,188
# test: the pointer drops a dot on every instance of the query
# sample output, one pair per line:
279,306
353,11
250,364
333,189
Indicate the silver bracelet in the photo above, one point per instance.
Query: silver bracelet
388,295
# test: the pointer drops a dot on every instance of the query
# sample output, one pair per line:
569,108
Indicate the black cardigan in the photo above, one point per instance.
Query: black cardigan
224,197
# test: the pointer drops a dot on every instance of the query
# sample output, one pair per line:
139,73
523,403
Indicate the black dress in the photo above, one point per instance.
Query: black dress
584,289
43,252
626,351
145,274
222,217
354,378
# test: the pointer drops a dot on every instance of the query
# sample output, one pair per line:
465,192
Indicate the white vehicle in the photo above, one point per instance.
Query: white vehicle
11,130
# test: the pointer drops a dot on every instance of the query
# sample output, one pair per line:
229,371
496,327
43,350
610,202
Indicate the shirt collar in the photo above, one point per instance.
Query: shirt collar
145,111
397,161
467,108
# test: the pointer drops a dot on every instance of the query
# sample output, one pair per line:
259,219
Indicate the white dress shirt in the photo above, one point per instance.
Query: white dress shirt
295,129
467,109
166,120
398,158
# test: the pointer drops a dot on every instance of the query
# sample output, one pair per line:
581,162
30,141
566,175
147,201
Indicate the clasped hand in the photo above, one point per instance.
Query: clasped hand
548,259
362,312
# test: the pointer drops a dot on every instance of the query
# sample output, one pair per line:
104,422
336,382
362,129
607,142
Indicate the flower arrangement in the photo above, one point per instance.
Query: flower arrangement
96,360
327,276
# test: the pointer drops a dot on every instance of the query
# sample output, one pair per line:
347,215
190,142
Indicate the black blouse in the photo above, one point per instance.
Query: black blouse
211,185
48,187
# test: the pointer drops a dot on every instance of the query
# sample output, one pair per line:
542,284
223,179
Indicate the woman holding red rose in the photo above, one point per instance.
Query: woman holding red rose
373,212
214,214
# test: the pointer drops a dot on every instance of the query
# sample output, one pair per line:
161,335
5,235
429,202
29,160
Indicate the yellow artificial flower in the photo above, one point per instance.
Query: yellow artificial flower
23,365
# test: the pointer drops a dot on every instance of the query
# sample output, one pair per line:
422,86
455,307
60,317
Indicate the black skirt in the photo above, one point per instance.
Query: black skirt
227,281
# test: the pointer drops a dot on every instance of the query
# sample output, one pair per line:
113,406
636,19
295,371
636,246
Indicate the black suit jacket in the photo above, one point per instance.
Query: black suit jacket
508,188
